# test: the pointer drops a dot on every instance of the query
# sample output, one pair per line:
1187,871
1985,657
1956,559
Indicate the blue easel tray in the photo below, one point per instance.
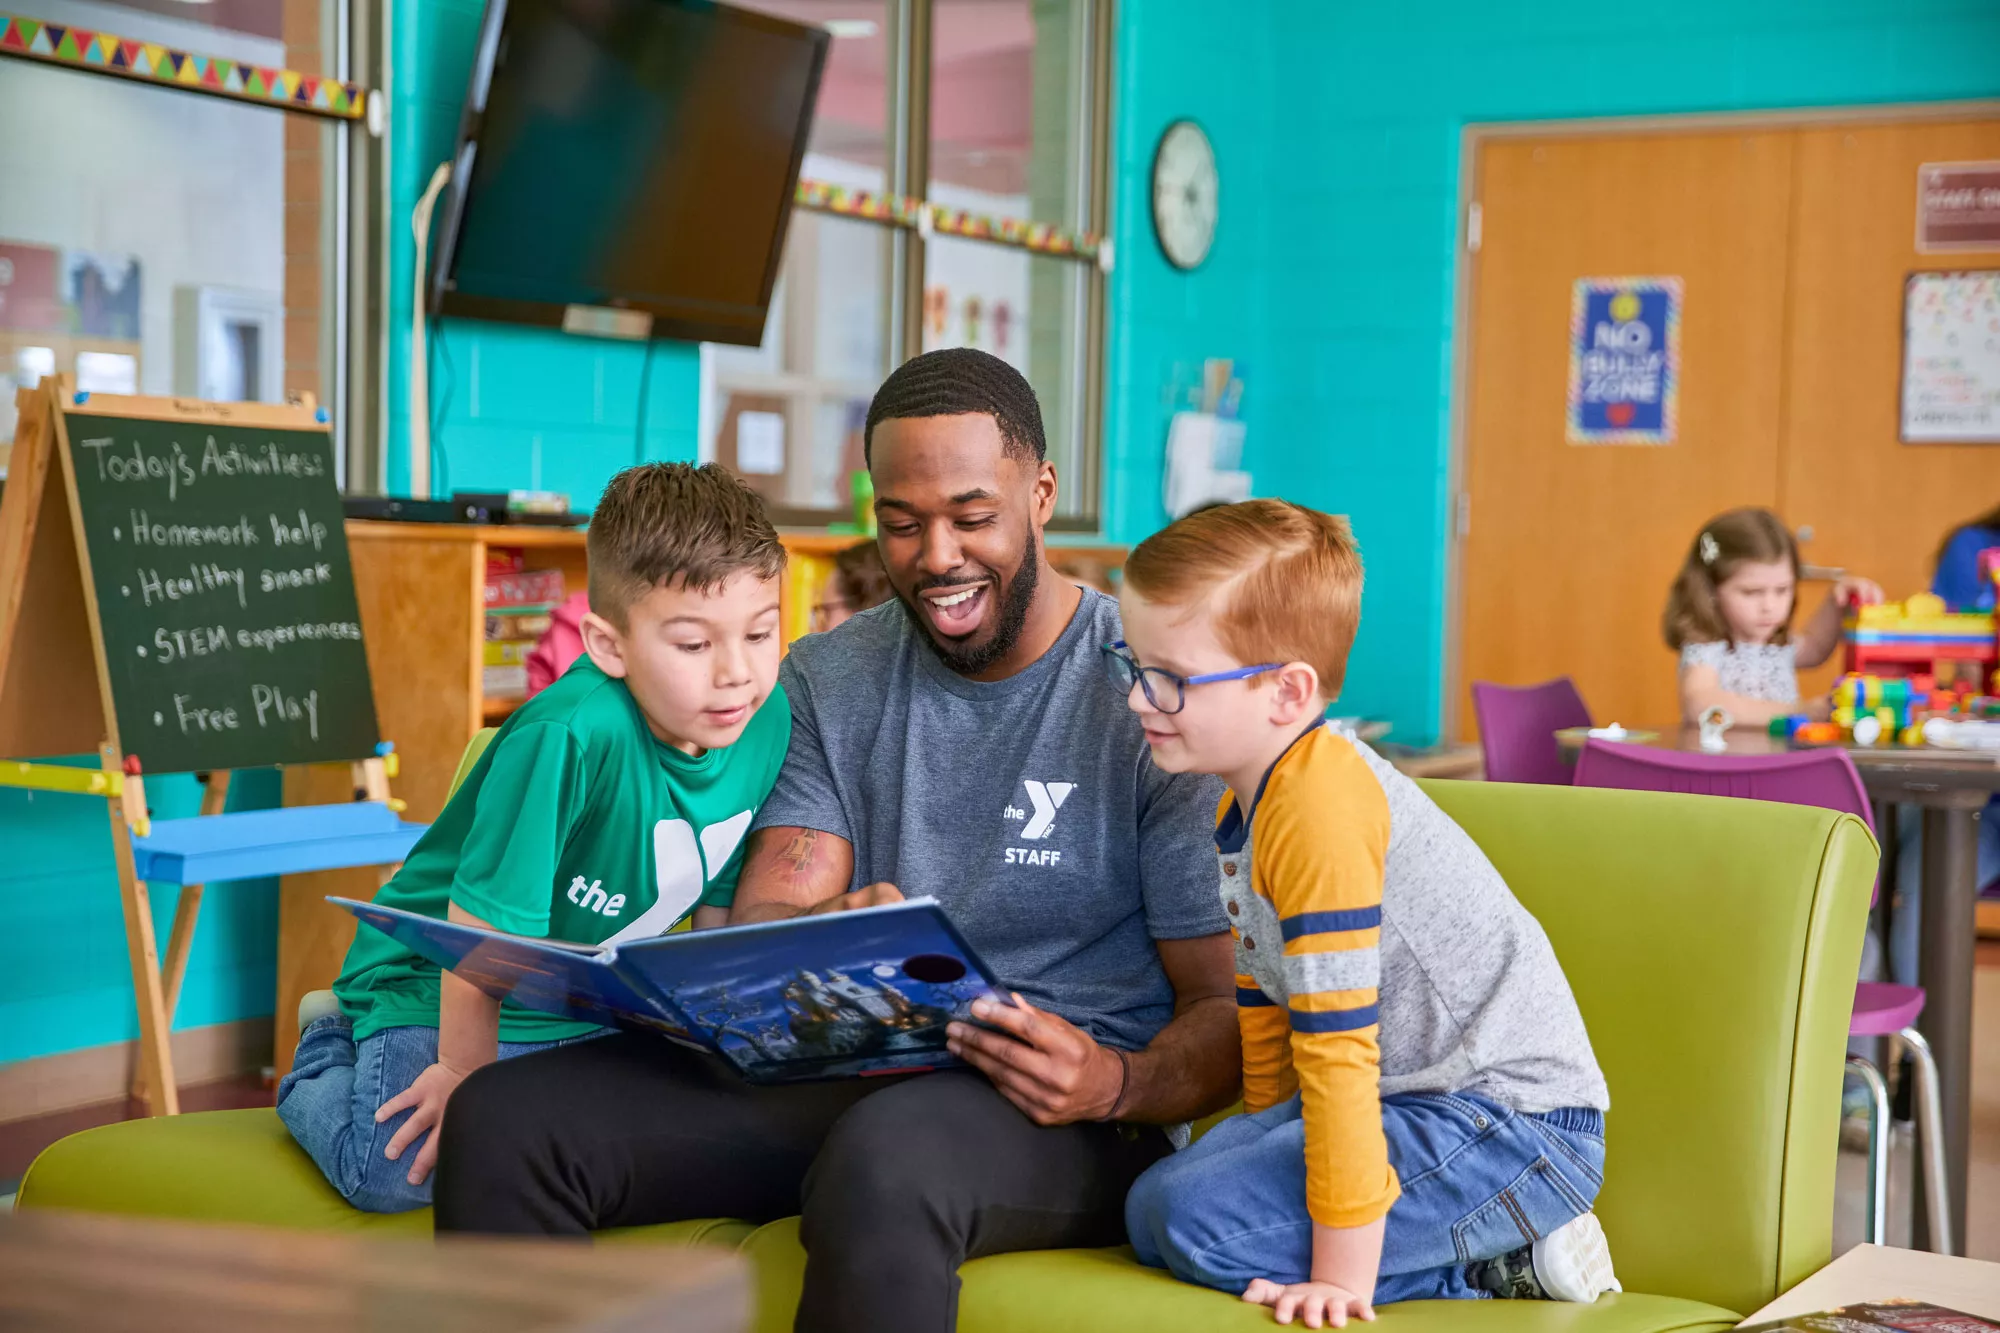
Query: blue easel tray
250,844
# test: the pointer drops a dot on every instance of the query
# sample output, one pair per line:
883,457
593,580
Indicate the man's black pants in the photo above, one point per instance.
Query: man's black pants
898,1181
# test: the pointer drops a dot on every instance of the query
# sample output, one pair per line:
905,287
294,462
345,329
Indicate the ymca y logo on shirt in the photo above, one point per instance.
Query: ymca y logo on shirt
576,824
1029,807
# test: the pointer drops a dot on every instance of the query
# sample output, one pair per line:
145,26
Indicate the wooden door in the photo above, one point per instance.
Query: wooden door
1872,504
1570,548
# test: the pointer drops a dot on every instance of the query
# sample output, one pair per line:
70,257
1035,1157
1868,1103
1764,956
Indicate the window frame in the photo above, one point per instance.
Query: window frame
353,242
905,211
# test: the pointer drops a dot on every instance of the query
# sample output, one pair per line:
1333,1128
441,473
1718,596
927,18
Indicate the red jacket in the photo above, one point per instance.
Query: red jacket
557,650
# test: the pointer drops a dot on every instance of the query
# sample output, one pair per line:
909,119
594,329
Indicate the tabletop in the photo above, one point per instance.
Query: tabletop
1879,1273
69,1271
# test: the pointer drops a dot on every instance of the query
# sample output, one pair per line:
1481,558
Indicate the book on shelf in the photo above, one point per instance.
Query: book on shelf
504,682
508,652
808,576
536,588
524,623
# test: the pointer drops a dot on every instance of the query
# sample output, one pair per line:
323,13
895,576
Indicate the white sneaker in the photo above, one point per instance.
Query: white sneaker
1573,1262
315,1005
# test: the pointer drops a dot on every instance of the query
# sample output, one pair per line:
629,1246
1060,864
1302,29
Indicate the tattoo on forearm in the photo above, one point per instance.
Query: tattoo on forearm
799,853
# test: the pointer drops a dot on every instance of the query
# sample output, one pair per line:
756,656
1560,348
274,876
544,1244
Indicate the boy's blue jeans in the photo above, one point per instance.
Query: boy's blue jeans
1479,1181
329,1101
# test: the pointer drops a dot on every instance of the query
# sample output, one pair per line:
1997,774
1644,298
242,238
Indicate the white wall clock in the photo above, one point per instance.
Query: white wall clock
1185,186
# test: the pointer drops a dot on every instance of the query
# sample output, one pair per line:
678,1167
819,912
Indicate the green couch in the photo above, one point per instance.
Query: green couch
1711,943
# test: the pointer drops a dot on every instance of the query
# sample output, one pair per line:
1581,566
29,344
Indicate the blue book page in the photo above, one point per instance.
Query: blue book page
833,996
575,981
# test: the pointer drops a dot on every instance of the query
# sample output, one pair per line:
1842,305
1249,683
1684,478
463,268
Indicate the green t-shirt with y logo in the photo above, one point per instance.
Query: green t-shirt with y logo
576,824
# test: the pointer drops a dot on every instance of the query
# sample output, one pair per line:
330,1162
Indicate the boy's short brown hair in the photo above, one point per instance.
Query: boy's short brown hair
1282,581
661,524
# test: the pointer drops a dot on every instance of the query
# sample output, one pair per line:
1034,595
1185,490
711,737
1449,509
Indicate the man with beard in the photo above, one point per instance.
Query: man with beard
960,742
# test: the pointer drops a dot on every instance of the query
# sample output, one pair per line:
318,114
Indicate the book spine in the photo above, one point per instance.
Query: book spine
537,588
508,652
523,624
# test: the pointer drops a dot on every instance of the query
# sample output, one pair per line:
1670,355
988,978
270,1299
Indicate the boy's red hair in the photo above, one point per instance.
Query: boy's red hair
1282,581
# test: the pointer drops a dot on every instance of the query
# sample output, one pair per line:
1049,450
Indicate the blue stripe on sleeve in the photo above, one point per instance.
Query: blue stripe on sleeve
1319,923
1336,1020
1247,998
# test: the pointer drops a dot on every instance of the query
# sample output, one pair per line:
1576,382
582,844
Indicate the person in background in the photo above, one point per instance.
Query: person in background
560,645
1957,578
1086,572
859,583
1729,616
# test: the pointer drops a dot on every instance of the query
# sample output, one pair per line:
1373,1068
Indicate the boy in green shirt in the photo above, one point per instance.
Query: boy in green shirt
611,806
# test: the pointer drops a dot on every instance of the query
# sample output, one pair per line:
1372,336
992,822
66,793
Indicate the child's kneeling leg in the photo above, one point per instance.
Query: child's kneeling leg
329,1101
1479,1181
1231,1208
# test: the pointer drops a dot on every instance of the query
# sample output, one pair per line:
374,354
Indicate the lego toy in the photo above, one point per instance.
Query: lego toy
1918,636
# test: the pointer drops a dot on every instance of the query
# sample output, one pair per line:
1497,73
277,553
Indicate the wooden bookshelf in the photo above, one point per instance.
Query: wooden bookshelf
422,592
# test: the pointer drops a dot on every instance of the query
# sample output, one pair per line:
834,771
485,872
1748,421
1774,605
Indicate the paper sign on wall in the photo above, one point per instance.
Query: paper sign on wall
760,444
1958,206
1624,360
1951,358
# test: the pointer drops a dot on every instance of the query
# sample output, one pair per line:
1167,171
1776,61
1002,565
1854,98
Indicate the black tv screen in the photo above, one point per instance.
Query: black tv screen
635,156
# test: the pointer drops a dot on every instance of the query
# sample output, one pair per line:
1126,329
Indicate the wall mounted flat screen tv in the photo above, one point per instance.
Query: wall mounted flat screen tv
627,166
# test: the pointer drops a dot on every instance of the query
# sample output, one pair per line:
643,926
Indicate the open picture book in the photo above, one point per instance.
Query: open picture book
835,996
1886,1316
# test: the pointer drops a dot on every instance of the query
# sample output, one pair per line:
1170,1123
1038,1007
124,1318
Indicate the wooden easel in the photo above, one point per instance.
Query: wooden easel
50,705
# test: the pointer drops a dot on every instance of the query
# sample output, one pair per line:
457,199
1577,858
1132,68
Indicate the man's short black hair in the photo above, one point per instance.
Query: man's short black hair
959,381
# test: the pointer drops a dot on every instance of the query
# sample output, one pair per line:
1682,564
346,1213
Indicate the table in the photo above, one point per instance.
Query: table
65,1271
1951,787
1875,1273
1464,762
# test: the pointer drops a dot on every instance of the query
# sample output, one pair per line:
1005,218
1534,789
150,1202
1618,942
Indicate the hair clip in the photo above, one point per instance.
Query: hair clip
1711,551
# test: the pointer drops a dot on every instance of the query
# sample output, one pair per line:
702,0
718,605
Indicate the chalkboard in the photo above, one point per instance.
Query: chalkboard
225,596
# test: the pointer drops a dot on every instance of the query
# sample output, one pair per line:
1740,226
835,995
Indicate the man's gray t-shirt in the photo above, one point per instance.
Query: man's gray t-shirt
1029,807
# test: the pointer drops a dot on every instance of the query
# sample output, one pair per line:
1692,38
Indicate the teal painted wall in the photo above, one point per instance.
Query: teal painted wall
65,980
513,406
1336,126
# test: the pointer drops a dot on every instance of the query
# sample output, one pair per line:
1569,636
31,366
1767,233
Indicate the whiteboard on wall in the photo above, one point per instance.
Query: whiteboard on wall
1951,358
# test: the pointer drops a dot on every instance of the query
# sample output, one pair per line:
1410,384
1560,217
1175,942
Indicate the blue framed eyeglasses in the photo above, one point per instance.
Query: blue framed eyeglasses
1164,690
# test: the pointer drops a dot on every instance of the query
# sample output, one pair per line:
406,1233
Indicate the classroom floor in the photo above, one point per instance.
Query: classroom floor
20,1140
1982,1222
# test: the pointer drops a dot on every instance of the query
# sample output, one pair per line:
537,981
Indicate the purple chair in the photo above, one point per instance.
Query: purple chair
1825,778
1518,726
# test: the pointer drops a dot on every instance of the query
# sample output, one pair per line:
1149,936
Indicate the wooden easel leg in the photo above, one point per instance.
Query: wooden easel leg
156,1058
215,796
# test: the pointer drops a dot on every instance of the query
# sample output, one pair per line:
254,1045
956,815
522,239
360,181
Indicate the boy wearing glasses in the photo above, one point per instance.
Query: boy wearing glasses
1425,1116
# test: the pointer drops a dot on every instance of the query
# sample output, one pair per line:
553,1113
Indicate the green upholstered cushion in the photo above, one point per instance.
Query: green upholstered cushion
1712,945
1110,1290
239,1167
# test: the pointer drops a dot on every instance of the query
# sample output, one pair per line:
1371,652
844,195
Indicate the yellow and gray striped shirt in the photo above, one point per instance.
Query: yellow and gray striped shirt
1378,952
